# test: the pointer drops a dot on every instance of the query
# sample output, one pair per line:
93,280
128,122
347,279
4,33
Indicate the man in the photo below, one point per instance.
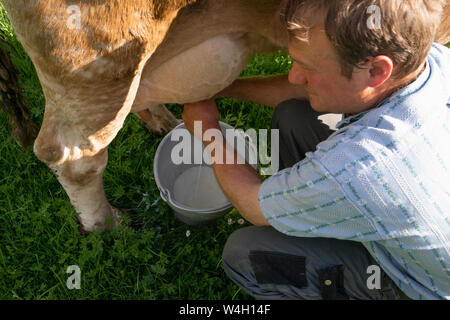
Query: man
374,193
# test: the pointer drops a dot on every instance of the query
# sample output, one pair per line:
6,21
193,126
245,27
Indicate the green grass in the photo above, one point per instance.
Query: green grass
39,235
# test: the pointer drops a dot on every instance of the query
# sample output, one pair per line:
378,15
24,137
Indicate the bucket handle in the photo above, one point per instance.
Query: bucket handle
164,194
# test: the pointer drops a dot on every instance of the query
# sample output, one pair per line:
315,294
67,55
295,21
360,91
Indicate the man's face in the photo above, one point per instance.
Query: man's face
316,67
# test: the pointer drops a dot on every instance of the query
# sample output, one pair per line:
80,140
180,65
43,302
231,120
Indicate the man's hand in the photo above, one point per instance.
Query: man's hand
204,111
239,182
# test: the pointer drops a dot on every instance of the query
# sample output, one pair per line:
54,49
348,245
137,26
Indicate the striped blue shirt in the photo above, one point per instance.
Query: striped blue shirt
382,179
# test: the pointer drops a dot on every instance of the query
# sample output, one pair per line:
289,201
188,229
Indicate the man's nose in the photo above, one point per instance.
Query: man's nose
296,77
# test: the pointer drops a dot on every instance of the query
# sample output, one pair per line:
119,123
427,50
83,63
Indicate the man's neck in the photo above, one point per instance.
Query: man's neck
404,82
393,87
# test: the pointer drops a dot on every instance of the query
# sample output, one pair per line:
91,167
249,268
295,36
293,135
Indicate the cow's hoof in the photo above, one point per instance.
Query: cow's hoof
112,221
130,219
158,119
163,127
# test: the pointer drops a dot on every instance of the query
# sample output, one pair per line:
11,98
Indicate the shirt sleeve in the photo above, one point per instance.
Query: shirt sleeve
306,201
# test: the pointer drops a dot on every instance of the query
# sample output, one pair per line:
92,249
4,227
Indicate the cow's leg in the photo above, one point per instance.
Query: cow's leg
158,119
73,141
79,168
82,180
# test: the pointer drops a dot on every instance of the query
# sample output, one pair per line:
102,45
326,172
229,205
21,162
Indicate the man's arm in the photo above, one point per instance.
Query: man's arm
239,182
269,91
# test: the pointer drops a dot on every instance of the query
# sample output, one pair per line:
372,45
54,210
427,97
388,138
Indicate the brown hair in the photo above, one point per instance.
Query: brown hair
405,34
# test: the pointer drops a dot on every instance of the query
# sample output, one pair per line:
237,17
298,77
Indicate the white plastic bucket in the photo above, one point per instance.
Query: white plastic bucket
166,173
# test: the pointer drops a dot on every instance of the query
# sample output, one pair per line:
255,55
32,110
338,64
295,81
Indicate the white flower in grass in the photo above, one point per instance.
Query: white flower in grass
230,221
188,233
241,221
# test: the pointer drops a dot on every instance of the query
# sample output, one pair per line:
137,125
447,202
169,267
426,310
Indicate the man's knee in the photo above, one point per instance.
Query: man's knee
293,114
244,240
300,130
235,253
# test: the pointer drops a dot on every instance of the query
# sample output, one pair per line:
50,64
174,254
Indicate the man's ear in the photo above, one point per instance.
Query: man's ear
380,70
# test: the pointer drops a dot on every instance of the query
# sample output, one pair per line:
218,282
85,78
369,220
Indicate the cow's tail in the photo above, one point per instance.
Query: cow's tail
12,101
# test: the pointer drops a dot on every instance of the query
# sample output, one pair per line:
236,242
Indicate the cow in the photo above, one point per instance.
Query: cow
98,61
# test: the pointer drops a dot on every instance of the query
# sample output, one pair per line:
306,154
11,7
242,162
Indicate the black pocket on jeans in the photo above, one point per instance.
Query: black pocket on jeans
332,283
278,268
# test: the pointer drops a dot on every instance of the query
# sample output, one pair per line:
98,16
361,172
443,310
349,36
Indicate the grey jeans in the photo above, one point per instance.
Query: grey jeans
270,265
